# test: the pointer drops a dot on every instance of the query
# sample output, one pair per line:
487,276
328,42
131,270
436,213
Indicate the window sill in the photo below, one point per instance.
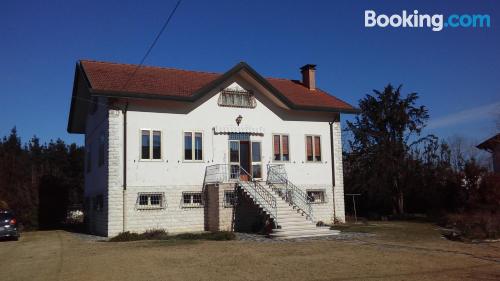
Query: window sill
150,160
192,206
193,161
143,208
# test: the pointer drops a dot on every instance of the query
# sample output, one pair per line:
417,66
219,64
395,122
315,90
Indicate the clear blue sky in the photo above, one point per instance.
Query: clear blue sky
456,72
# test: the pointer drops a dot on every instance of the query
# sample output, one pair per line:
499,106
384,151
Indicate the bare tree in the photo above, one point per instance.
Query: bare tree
463,149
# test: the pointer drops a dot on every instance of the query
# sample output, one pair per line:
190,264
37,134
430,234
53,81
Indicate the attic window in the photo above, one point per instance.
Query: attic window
234,98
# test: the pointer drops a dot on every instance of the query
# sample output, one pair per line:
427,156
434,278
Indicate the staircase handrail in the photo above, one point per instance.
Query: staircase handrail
276,174
222,173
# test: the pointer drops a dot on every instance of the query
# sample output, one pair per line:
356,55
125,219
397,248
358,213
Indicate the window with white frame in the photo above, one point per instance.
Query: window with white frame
256,160
281,148
229,198
193,146
192,199
150,200
101,149
316,196
313,148
150,144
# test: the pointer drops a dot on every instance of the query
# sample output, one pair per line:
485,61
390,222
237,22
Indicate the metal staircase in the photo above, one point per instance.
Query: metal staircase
294,207
277,179
286,204
263,197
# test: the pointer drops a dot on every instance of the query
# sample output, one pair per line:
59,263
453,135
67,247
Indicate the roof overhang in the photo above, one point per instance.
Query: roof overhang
490,144
80,99
83,92
215,84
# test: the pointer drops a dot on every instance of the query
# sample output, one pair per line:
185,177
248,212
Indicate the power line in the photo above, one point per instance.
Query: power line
152,44
142,60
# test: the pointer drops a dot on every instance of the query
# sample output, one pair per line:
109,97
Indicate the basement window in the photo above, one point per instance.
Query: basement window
192,199
237,99
316,196
148,201
229,198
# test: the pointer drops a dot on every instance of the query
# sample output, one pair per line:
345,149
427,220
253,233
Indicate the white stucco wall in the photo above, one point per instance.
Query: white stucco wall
172,174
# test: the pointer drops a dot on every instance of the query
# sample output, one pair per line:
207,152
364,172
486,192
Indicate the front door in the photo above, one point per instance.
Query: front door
245,162
240,155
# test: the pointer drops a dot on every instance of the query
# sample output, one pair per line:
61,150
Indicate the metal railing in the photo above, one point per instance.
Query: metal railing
223,173
278,180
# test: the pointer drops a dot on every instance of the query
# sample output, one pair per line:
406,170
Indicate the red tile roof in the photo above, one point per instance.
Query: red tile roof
170,82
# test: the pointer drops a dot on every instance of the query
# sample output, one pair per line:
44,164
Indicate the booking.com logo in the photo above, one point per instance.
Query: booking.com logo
436,22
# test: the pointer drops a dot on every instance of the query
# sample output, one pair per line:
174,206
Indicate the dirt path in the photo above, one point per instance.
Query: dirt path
58,255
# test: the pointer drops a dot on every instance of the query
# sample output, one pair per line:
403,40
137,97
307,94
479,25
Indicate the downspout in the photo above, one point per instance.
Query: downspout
333,170
124,111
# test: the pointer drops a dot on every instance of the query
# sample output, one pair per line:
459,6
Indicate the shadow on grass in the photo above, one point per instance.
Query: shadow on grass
356,227
167,243
394,230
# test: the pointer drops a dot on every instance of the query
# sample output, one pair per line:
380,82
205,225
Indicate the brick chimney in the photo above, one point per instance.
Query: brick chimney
308,76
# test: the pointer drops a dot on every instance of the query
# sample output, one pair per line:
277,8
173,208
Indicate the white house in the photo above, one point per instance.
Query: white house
189,151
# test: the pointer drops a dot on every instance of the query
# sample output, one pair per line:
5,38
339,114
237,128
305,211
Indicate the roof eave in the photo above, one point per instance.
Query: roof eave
213,85
69,128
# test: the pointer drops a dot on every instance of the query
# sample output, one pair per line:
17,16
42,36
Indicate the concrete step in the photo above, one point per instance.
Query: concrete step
289,211
285,213
287,234
286,228
292,218
304,229
296,223
302,235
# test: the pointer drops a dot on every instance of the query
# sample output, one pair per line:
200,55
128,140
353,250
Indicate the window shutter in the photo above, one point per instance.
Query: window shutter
156,145
285,145
317,148
309,148
276,144
145,144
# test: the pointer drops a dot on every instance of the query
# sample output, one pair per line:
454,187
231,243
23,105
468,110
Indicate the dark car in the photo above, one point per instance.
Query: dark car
8,226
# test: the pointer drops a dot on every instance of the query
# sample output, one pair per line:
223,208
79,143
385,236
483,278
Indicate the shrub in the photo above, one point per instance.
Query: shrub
160,234
474,225
154,234
126,236
216,236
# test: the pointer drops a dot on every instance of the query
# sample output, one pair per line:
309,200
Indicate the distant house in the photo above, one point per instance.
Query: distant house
492,145
189,151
